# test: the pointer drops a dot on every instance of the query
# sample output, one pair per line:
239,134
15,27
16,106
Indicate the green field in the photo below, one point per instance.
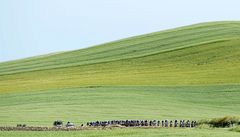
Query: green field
108,103
129,133
190,72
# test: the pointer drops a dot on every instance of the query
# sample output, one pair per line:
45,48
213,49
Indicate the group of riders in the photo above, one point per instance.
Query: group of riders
145,123
134,123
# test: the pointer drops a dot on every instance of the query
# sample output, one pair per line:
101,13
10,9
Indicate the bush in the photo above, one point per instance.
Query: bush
58,123
21,125
224,122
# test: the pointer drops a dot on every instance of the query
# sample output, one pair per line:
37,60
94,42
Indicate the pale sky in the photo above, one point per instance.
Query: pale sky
35,27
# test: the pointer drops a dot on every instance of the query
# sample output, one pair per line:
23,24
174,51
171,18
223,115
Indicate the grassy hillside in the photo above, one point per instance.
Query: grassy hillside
201,54
190,72
103,103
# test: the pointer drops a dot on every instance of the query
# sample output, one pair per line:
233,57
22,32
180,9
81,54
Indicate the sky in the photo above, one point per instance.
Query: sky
35,27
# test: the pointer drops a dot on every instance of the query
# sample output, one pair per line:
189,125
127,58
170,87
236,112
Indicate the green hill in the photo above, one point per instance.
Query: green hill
189,72
201,54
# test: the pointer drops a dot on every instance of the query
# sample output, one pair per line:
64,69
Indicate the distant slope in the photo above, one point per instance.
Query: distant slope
201,54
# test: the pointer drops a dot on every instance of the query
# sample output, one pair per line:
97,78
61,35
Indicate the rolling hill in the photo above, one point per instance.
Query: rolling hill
189,72
200,54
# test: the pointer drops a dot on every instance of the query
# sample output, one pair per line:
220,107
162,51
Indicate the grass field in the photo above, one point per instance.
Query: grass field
81,105
129,133
185,73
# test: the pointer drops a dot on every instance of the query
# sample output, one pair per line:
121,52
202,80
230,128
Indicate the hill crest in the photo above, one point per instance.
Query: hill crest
196,54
